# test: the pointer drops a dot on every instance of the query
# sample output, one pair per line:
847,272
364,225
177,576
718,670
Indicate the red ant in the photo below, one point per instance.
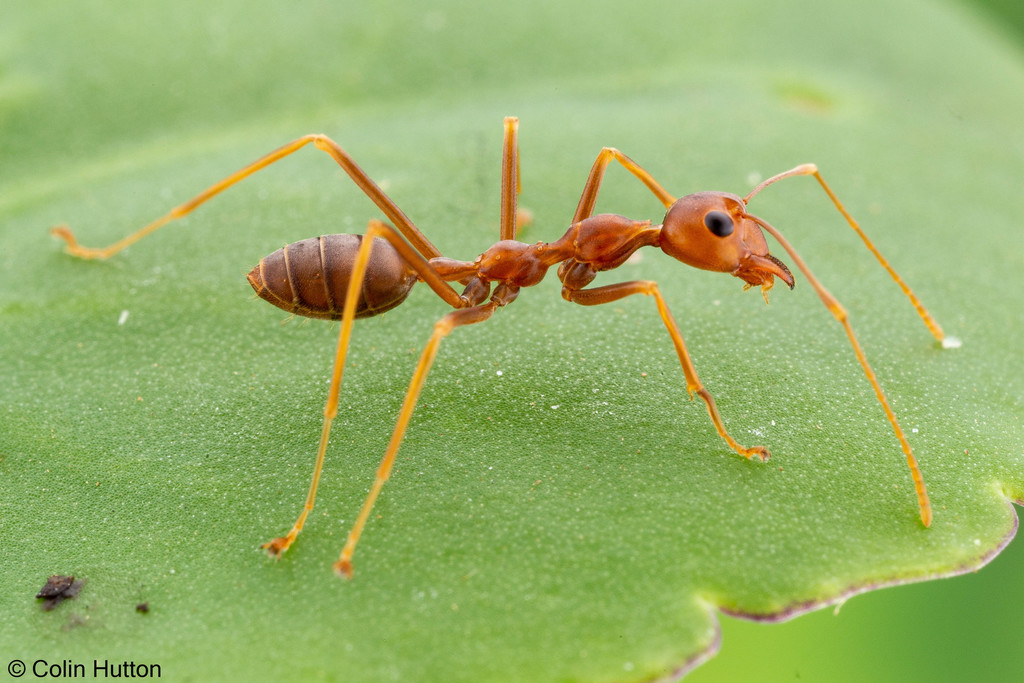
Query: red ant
343,277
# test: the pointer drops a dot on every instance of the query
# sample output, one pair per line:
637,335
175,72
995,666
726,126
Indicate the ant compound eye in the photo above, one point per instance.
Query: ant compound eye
719,222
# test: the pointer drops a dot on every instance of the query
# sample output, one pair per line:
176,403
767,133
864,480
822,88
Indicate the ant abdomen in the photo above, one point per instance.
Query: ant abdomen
310,277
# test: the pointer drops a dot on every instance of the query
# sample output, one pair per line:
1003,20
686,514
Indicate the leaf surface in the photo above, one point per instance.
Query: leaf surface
559,510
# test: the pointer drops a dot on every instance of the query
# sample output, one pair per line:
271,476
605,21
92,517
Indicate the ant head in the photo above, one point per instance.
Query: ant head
712,231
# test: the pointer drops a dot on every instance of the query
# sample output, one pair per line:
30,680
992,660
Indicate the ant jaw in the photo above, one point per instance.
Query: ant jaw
761,271
787,276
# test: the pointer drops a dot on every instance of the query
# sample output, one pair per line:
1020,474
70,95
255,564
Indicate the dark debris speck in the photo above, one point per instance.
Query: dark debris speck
57,589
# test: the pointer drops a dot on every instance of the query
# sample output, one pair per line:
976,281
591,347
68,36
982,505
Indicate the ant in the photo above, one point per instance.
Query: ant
343,277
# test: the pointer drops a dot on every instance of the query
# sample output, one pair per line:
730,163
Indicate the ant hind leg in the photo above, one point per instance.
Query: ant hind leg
322,142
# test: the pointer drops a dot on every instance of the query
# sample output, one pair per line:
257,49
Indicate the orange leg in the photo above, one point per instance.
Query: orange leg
586,206
609,293
444,326
812,169
842,316
428,275
510,179
322,142
513,217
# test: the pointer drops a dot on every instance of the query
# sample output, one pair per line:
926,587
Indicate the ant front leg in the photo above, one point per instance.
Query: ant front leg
812,169
840,314
610,293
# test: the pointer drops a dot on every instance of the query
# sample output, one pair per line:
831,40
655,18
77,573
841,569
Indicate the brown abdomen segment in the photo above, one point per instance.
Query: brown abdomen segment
311,277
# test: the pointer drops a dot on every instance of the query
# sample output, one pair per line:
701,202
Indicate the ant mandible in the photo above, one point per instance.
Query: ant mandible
343,277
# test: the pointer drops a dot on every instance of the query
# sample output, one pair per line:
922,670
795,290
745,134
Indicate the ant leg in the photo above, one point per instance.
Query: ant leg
842,316
383,202
609,293
586,206
322,142
433,279
812,169
513,217
442,328
510,179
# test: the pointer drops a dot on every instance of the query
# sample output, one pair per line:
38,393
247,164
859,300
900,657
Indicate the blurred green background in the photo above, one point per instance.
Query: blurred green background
967,628
958,629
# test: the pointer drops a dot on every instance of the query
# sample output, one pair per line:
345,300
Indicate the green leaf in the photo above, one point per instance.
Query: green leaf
559,509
